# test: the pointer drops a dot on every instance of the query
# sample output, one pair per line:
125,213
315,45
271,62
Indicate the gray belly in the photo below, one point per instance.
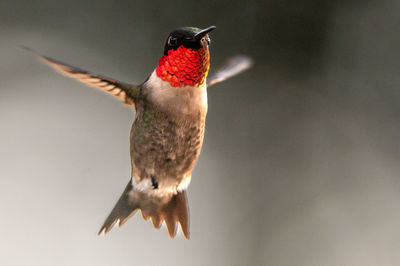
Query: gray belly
165,147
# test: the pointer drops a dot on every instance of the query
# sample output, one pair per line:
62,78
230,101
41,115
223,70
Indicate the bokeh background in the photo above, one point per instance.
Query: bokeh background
300,164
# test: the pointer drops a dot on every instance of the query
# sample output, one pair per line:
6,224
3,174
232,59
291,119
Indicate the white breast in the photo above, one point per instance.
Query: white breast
186,100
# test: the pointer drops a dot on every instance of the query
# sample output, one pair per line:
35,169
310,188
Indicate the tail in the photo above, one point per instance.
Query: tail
172,209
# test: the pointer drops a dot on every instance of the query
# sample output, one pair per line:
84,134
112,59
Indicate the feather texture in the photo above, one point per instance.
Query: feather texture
171,209
123,91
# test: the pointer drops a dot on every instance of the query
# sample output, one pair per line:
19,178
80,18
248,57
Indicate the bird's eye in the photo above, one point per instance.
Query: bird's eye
171,41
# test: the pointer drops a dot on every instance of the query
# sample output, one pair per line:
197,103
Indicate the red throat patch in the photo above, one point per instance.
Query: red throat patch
184,66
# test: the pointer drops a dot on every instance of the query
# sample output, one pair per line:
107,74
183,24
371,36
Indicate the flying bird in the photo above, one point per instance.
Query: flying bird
167,133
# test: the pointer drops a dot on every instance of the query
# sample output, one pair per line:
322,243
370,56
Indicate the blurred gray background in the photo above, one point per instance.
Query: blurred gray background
300,164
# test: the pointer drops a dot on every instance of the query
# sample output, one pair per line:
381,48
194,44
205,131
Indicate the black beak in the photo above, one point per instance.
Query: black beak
203,32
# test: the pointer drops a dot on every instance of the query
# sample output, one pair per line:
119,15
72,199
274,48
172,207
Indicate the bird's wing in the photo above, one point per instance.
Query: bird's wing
232,67
124,91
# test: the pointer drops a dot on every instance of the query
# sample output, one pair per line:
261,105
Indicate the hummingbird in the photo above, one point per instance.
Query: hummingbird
167,133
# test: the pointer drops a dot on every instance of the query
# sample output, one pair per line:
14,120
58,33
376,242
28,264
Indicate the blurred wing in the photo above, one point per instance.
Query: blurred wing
232,67
123,91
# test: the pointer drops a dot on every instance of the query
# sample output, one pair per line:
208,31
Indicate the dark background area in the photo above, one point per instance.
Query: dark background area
300,164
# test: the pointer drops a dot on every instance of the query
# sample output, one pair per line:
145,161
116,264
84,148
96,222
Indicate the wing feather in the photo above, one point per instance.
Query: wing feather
232,67
123,91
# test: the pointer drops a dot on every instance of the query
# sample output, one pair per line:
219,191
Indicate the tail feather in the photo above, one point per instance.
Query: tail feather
176,211
172,209
145,216
170,220
156,219
182,212
121,212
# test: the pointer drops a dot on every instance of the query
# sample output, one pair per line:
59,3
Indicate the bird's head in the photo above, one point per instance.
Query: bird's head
186,58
